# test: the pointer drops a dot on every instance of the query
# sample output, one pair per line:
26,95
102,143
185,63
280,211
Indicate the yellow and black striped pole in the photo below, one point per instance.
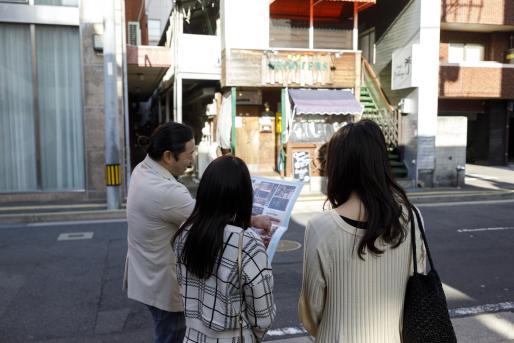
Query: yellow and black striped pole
112,175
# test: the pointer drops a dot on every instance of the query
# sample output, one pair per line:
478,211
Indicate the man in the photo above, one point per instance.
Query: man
157,205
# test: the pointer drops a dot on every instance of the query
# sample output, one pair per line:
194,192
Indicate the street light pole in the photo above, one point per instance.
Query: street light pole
112,135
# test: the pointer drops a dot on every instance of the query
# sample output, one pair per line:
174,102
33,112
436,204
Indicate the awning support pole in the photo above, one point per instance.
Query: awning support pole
233,130
311,24
355,26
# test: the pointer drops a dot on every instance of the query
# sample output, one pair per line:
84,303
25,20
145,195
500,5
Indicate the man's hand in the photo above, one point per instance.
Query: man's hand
264,222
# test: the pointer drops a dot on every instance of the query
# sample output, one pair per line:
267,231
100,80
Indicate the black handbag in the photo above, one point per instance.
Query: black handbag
425,312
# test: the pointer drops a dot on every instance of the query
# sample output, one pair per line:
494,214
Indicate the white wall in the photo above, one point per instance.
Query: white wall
200,55
451,140
245,24
430,27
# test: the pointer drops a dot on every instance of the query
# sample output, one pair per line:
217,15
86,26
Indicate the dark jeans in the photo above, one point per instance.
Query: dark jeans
170,327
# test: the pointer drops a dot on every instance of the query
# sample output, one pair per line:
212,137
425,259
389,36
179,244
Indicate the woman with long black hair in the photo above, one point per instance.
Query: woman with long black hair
357,257
208,246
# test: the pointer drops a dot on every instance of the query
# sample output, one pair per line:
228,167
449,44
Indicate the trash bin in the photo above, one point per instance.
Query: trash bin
461,174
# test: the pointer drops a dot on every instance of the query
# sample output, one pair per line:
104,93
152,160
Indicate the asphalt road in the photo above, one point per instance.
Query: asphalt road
70,290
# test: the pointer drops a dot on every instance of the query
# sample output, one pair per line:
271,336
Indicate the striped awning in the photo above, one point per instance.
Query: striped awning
324,101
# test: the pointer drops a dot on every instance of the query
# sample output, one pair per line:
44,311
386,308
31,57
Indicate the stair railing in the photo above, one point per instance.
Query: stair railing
387,116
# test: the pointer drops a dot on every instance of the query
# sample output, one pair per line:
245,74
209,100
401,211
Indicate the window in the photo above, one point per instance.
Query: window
134,33
41,130
154,31
465,52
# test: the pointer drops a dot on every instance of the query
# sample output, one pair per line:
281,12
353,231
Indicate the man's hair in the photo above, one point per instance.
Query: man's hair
169,136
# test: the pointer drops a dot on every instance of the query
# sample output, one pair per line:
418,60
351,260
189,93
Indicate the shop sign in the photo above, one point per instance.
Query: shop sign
404,67
303,70
301,166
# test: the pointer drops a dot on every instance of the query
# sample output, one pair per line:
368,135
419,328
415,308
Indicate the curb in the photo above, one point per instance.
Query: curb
304,204
63,216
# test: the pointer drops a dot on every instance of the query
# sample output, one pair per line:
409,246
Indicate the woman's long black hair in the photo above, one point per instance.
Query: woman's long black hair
357,161
224,196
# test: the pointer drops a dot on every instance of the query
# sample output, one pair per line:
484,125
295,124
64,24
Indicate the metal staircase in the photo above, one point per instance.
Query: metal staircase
377,108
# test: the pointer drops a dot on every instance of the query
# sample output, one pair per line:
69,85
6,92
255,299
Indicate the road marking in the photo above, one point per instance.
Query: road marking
286,331
80,222
454,313
486,229
286,245
481,309
73,236
463,203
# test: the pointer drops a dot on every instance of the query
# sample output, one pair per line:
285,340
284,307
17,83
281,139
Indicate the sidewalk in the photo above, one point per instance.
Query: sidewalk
482,183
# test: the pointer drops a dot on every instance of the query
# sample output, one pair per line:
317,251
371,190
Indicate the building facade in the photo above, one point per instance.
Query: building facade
464,115
233,64
477,74
52,99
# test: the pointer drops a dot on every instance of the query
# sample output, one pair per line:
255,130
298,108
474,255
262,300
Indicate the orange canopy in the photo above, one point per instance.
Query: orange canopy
323,9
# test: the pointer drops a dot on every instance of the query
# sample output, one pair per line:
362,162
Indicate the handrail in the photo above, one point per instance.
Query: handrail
373,77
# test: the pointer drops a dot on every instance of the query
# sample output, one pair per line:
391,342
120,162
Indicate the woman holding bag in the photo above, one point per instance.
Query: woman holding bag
358,255
222,268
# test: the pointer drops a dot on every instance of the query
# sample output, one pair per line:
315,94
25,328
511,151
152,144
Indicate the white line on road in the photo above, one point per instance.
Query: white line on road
463,203
81,222
73,236
286,331
487,308
486,229
454,313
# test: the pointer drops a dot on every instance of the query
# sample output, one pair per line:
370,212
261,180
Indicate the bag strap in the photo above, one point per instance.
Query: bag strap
240,275
424,240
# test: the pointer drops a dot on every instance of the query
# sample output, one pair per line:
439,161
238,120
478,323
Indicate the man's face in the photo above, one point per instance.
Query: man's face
184,161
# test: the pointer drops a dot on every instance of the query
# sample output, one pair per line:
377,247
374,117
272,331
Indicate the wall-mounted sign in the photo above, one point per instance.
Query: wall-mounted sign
304,70
301,166
405,71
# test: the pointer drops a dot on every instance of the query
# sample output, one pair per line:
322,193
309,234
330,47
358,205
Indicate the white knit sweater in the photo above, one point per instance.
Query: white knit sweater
345,299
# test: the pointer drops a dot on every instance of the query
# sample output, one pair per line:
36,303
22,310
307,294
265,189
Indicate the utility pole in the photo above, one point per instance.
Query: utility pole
112,135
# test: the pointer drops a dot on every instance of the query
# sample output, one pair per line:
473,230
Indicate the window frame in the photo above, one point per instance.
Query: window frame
465,51
36,15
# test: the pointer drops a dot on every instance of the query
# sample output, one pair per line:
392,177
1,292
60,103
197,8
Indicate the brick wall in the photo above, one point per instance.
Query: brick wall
132,10
495,44
492,12
476,82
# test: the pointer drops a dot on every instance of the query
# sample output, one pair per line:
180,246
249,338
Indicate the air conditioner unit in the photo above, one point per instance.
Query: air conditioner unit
134,33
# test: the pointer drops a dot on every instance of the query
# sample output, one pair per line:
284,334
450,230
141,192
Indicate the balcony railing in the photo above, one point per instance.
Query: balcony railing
478,80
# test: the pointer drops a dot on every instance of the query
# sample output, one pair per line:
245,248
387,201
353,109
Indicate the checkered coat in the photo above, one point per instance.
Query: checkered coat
212,305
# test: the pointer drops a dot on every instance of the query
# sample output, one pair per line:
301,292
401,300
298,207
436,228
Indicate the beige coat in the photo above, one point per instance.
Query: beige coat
156,206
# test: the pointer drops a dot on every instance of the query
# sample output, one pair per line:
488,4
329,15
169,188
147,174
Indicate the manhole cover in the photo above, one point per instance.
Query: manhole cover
285,245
